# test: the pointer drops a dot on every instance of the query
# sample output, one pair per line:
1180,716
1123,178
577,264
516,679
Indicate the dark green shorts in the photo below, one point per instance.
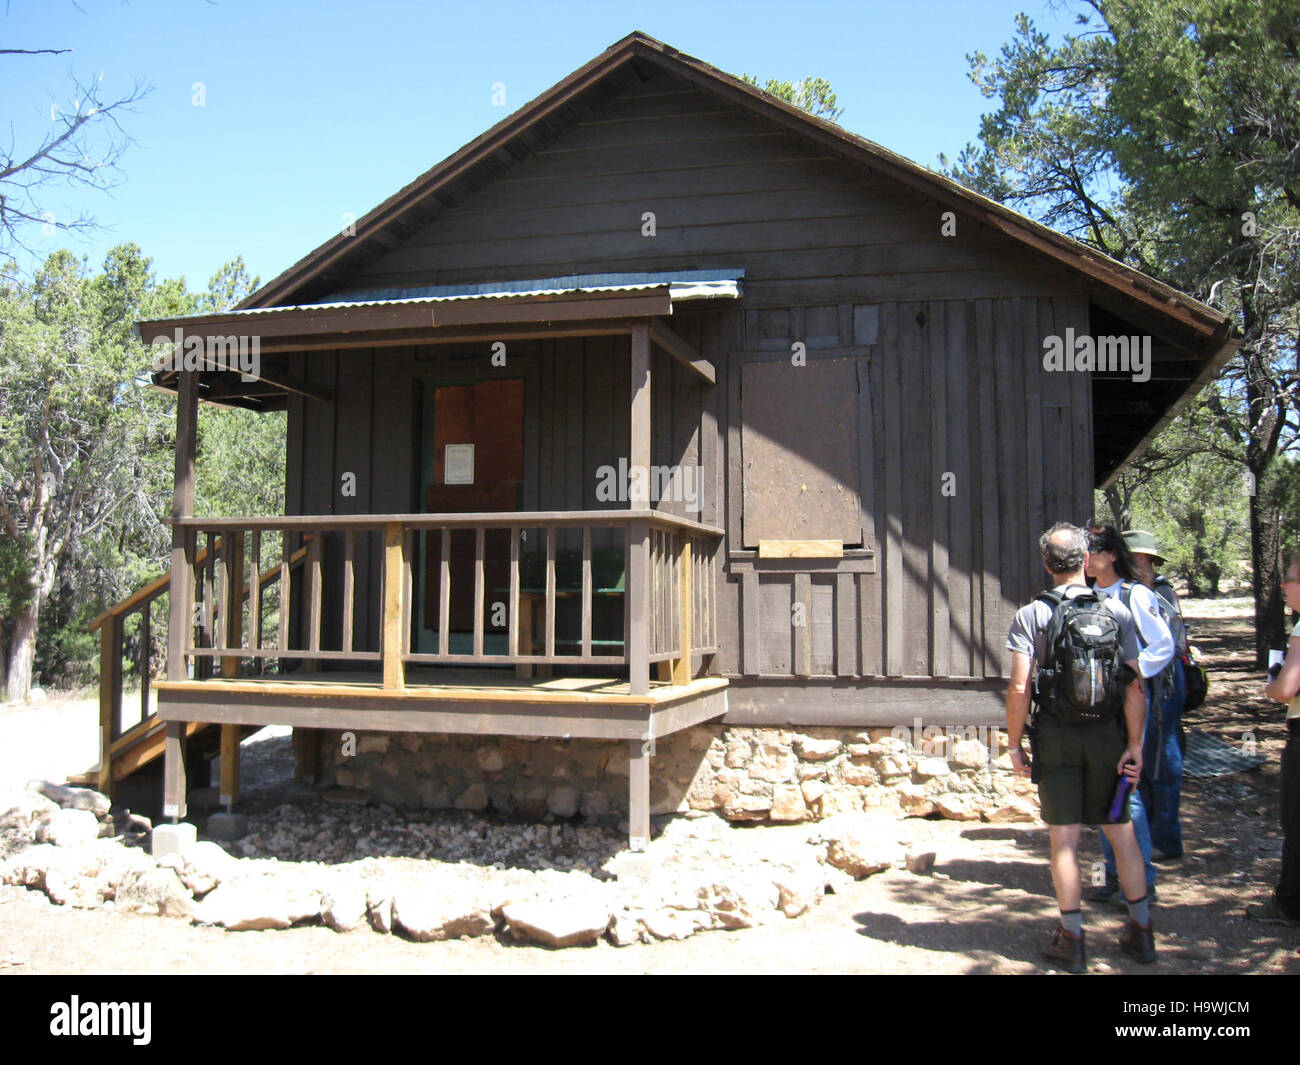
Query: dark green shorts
1079,770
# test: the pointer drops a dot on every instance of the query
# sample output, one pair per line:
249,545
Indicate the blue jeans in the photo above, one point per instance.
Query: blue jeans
1138,813
1162,770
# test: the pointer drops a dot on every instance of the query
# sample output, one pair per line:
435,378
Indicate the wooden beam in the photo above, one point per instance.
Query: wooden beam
638,793
682,664
174,771
230,735
110,696
675,346
394,585
800,548
181,582
638,532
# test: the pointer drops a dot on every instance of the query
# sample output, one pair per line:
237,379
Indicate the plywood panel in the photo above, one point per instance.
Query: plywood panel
799,445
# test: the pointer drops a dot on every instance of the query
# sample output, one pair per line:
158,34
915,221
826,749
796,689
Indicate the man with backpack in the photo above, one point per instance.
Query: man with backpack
1113,571
1162,770
1075,655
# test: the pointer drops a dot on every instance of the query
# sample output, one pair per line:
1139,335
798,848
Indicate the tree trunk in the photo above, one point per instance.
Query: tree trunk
23,651
1270,626
1120,504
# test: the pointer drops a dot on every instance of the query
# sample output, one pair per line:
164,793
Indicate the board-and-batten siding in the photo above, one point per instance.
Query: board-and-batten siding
727,189
949,387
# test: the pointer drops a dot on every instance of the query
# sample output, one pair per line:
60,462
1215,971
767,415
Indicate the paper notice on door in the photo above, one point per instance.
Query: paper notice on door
458,464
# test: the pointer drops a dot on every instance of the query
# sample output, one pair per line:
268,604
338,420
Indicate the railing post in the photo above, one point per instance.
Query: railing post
394,589
682,665
110,695
182,578
232,547
638,606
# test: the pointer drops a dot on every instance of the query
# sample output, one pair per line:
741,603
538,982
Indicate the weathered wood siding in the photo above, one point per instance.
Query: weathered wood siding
727,189
963,448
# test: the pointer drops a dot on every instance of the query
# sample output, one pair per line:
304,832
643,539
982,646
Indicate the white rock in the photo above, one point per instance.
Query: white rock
22,810
920,862
864,846
201,866
154,891
71,798
623,930
254,902
559,923
671,924
453,913
68,828
379,906
799,887
742,902
344,905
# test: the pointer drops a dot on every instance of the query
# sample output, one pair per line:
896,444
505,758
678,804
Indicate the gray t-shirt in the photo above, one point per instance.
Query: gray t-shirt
1028,634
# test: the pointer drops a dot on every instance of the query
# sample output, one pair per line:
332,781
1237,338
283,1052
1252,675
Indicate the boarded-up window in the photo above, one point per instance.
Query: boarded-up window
799,450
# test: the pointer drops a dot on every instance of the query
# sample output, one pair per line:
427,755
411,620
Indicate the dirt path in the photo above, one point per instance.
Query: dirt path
988,909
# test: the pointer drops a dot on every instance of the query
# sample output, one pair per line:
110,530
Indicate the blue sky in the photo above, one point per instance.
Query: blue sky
317,109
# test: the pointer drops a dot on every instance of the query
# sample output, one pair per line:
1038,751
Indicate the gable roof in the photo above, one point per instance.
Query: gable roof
1125,295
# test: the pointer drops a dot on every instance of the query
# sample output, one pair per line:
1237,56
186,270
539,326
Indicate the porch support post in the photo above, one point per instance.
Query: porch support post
180,589
638,796
638,533
182,579
682,664
174,771
230,736
394,587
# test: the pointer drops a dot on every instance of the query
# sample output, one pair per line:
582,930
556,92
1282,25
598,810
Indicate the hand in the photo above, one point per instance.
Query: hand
1018,763
1130,763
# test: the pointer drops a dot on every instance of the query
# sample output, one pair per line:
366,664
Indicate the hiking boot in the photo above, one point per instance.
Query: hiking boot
1268,912
1138,942
1165,858
1068,950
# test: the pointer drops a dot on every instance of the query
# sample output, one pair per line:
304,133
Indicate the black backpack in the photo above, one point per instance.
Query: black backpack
1079,681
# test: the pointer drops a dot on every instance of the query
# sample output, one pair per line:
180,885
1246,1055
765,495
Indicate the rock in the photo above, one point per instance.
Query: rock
429,915
840,799
913,800
864,847
475,797
489,759
254,902
201,866
788,803
1015,809
563,800
920,862
671,924
969,754
347,796
227,825
623,930
814,750
137,824
860,775
71,798
958,807
344,905
931,767
799,887
743,902
379,907
373,743
22,810
813,791
564,923
68,828
154,891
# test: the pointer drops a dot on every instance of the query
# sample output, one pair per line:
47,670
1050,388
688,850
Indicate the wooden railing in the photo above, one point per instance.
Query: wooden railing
665,580
112,626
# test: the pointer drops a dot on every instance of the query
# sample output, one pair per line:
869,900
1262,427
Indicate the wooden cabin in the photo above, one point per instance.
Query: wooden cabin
830,359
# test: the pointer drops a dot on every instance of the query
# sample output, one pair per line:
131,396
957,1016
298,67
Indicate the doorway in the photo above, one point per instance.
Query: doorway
472,461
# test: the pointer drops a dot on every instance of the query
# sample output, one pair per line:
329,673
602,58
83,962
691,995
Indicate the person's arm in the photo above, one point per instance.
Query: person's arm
1159,641
1286,685
1017,705
1135,719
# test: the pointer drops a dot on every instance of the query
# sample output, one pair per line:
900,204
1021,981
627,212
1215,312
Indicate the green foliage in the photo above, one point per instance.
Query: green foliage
814,95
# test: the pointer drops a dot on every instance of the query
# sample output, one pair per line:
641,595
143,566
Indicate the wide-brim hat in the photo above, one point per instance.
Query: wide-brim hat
1141,542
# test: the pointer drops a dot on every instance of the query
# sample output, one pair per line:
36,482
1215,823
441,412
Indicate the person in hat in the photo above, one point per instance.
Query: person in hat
1162,776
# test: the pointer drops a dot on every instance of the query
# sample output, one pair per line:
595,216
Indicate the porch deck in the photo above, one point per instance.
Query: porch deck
478,701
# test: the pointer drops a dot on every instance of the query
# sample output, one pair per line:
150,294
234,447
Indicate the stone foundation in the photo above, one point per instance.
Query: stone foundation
742,774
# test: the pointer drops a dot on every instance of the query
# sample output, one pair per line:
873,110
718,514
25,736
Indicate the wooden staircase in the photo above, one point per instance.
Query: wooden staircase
125,751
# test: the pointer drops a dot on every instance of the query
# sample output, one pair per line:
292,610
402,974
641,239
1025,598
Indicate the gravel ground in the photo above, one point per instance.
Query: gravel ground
987,909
